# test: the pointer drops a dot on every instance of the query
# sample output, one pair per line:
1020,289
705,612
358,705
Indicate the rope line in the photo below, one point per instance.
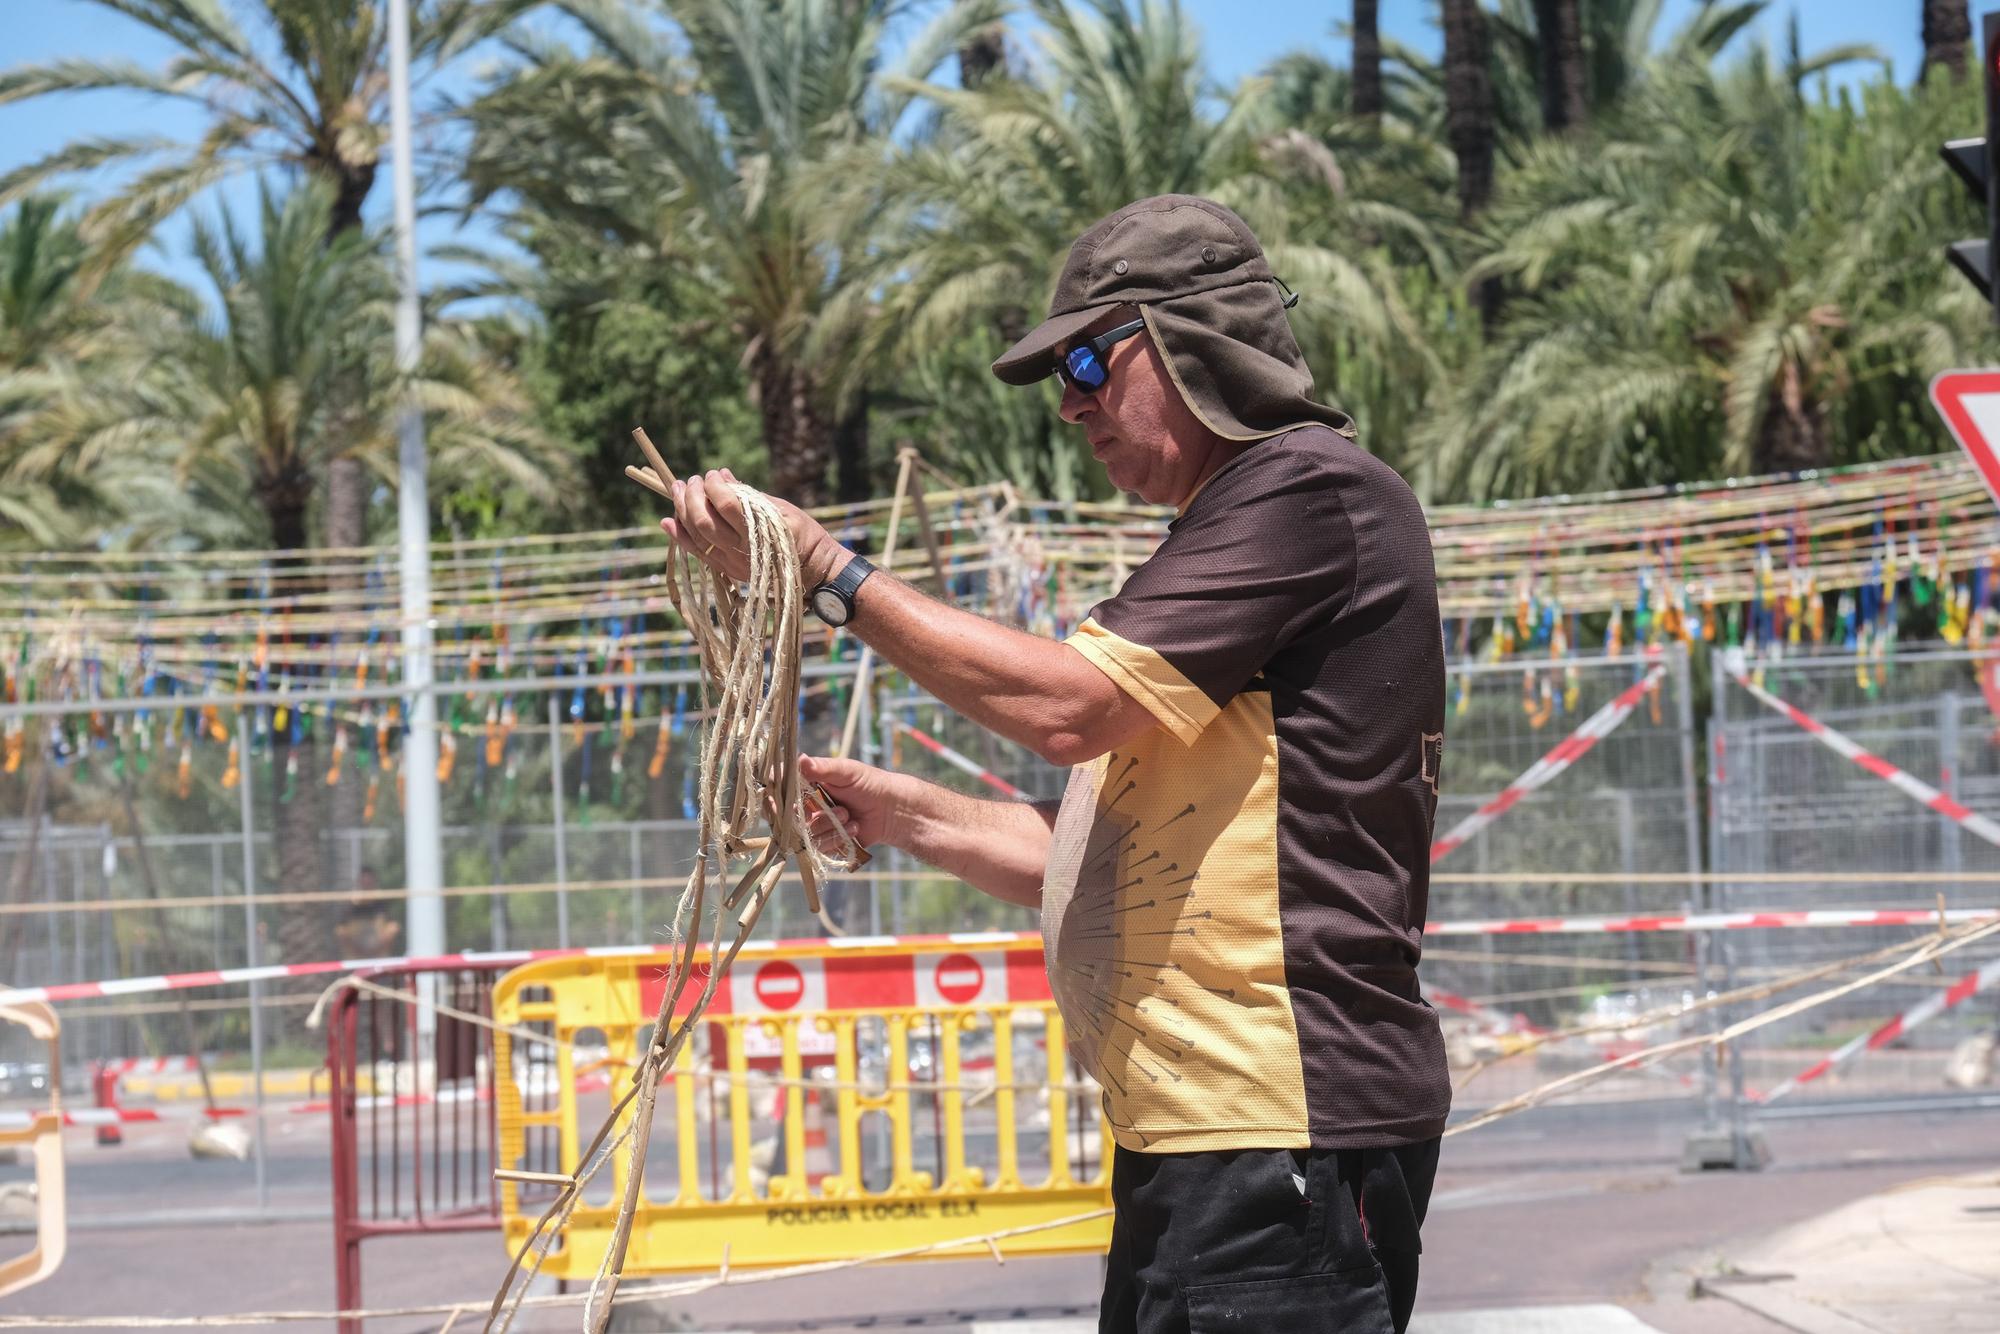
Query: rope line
750,645
728,1278
1934,947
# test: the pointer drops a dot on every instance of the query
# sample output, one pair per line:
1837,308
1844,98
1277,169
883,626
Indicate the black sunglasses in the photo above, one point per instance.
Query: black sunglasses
1083,365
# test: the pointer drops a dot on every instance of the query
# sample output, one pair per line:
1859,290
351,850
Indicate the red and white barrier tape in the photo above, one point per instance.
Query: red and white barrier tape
1566,752
1709,921
149,1065
1924,1010
130,986
120,1116
1965,818
1485,1015
959,761
988,940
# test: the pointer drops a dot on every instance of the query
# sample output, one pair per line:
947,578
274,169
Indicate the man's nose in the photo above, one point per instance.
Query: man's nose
1075,404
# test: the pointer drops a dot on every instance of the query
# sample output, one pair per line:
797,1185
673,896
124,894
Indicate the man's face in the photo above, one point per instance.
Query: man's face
1138,426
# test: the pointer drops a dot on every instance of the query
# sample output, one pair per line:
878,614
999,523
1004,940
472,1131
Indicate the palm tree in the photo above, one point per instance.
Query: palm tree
1947,36
307,88
983,55
251,400
1559,34
243,394
1468,101
1367,63
972,220
303,84
678,136
1618,39
1732,278
52,329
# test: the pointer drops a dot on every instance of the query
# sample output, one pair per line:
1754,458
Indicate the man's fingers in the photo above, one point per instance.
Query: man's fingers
831,771
721,493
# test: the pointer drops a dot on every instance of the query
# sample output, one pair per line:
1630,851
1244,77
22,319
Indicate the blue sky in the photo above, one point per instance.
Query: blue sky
1241,36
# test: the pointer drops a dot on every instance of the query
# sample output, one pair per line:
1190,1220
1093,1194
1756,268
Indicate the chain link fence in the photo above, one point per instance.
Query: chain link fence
1844,837
566,822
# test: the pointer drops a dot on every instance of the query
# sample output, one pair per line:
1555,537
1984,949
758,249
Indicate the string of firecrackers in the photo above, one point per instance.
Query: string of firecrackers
1565,753
455,562
1840,744
190,720
1531,566
1922,1012
625,578
1665,512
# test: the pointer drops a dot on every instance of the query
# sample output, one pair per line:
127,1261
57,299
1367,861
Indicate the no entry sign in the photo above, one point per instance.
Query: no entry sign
1969,401
961,978
786,986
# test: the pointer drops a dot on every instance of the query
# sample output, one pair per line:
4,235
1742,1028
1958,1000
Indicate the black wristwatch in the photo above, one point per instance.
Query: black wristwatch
833,601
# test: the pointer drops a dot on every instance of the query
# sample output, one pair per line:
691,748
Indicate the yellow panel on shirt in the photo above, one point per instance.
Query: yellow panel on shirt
1160,913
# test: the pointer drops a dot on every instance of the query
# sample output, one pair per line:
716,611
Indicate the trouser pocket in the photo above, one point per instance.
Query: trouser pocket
1349,1301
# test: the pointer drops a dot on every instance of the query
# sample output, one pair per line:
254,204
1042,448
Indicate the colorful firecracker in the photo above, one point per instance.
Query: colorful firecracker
1841,561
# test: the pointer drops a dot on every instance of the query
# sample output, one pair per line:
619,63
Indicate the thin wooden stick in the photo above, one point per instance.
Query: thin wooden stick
865,667
534,1178
649,479
929,534
660,467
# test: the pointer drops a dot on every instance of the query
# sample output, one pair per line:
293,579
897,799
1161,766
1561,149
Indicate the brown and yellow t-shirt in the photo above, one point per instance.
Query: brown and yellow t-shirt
1235,900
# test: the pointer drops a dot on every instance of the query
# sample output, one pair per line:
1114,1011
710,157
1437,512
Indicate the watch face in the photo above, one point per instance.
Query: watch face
828,606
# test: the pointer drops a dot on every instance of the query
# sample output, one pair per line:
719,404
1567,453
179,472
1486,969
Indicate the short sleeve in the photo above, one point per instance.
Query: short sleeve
1263,556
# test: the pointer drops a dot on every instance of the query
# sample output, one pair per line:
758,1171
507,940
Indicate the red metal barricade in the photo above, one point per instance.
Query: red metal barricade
413,1139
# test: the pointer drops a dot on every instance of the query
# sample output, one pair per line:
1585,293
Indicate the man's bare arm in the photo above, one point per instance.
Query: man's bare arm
1044,695
1000,847
1040,693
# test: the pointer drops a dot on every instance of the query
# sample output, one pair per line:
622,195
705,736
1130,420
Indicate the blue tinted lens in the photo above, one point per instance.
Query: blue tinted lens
1084,369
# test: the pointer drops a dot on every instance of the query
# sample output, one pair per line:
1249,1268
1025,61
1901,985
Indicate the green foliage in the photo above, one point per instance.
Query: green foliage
616,345
1729,275
216,413
737,225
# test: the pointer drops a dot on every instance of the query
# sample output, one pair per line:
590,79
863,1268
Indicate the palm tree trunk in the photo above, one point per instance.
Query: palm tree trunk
983,55
795,433
304,933
350,192
1367,63
1559,34
1468,103
850,452
346,518
1793,434
1947,36
1468,119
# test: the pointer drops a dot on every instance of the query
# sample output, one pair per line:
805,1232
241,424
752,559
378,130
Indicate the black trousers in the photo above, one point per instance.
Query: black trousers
1266,1241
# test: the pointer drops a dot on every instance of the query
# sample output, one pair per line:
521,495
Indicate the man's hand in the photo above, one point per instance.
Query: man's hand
709,524
1001,847
867,800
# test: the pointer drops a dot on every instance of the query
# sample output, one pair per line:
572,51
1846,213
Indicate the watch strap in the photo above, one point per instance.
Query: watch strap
851,576
843,586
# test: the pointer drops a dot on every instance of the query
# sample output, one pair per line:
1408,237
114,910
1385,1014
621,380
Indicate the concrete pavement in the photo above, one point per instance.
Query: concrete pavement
1923,1258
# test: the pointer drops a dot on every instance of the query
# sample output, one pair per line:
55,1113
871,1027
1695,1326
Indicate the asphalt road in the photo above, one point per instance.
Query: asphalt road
1556,1206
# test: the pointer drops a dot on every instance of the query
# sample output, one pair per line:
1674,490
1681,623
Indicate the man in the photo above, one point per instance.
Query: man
1233,889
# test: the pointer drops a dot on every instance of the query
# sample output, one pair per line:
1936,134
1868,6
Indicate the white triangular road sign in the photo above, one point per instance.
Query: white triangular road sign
1970,404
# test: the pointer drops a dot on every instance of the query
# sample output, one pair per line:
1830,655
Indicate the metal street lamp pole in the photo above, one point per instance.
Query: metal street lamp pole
423,857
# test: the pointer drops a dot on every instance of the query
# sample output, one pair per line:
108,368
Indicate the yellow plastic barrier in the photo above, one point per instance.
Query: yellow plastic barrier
846,1100
42,1136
